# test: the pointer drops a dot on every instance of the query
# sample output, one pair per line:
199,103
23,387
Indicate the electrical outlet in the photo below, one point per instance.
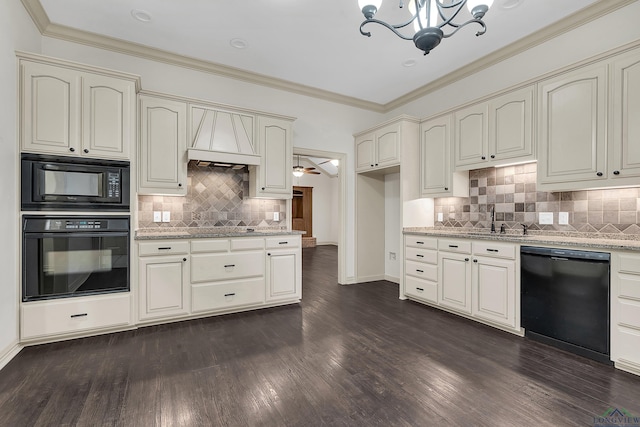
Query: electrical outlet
166,216
276,216
440,217
392,256
563,218
157,216
545,218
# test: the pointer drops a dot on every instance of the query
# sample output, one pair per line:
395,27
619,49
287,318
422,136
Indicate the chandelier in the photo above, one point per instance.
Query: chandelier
430,18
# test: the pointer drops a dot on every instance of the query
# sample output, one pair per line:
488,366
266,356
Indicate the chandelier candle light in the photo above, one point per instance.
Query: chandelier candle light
425,16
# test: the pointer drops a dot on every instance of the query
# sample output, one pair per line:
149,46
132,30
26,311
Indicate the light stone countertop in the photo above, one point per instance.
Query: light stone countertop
209,233
534,237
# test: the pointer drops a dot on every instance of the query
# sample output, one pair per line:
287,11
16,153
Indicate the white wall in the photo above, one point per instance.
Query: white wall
17,32
320,125
325,204
392,225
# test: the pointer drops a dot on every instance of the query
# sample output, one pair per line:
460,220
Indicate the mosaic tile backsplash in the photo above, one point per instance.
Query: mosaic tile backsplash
512,191
216,197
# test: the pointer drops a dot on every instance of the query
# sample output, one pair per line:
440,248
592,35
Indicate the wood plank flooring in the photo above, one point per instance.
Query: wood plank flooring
346,356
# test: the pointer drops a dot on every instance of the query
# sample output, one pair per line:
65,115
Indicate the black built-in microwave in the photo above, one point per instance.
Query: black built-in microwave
73,184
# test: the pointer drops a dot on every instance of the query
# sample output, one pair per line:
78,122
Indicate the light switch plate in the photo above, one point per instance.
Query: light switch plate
166,216
563,218
440,217
546,218
276,216
157,216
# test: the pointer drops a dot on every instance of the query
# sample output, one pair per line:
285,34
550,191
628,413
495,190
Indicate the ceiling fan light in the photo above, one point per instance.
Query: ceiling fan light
479,7
369,7
298,173
335,162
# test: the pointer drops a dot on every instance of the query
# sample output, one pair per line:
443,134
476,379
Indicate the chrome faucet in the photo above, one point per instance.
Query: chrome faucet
493,216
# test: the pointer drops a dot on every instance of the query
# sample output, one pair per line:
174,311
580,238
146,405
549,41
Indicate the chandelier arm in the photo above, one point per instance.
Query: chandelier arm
384,24
449,21
471,21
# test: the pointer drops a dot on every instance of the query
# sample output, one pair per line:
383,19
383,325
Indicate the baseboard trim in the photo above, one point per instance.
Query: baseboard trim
8,354
326,243
393,279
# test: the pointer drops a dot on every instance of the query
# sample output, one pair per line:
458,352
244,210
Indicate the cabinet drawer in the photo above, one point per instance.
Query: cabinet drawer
629,286
423,271
493,249
421,289
626,342
283,242
629,313
420,242
629,263
165,247
74,315
209,245
421,255
459,246
246,244
219,296
213,267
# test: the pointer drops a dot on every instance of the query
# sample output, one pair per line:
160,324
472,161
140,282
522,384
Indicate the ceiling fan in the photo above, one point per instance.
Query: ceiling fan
299,170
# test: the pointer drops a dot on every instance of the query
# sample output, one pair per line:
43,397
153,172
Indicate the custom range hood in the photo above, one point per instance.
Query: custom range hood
222,138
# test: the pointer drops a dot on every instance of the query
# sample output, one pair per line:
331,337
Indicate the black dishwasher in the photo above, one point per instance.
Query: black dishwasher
565,299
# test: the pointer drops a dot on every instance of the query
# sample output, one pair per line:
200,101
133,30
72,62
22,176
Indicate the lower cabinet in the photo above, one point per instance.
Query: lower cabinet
284,268
477,279
163,280
625,311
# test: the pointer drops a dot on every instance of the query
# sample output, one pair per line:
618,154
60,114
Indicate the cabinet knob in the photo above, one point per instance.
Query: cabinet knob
483,158
262,188
269,254
475,260
616,172
599,173
493,156
179,184
376,164
184,259
86,150
466,259
446,188
72,149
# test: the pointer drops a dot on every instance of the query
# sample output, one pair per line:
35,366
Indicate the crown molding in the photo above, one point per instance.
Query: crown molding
49,29
571,22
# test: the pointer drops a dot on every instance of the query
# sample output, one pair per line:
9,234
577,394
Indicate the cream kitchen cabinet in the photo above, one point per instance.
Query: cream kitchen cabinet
436,176
378,149
494,292
421,268
625,311
624,141
454,275
495,132
283,268
163,280
163,146
70,111
272,178
572,112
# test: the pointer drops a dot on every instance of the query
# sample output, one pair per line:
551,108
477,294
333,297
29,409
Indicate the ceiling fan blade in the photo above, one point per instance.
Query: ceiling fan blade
322,163
312,172
309,169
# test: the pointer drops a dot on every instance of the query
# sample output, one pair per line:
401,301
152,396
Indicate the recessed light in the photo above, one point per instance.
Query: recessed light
409,63
141,15
238,43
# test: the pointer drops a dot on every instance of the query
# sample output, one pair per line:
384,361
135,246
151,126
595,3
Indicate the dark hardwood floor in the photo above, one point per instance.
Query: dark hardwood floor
347,355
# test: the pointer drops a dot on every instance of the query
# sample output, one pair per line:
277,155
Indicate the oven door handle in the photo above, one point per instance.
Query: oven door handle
72,233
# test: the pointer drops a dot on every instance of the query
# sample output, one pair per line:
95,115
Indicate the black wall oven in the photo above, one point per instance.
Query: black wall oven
74,256
73,184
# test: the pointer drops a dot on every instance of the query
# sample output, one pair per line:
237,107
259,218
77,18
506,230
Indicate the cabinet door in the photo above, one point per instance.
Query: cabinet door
625,126
572,121
510,127
163,146
387,146
365,153
274,145
493,293
50,113
435,157
471,136
284,275
108,113
454,279
163,287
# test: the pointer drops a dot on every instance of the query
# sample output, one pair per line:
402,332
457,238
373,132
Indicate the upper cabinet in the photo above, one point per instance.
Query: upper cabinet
76,112
572,129
495,132
378,149
436,177
272,178
624,149
163,146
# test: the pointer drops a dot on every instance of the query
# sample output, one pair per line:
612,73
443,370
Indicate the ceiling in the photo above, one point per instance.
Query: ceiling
307,46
